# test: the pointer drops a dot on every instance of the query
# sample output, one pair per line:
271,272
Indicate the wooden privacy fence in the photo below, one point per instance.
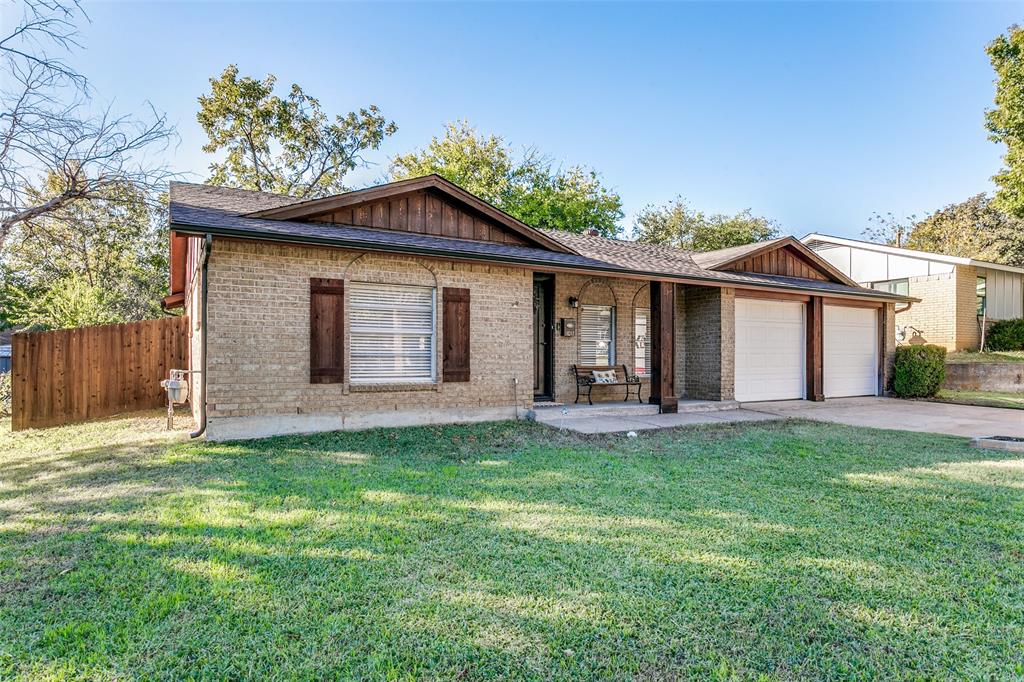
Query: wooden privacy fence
80,374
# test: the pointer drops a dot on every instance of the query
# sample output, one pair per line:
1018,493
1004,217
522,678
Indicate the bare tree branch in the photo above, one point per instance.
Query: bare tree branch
50,133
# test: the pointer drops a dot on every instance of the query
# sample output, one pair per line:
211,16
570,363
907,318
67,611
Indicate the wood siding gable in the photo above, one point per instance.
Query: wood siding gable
786,257
423,212
785,262
427,205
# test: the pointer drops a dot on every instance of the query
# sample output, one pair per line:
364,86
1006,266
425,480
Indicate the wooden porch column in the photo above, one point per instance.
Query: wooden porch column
815,349
663,347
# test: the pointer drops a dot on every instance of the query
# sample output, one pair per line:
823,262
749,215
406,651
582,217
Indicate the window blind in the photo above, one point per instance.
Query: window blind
642,346
392,333
597,333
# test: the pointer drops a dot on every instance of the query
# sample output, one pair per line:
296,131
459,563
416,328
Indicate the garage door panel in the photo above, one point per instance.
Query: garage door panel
770,357
850,351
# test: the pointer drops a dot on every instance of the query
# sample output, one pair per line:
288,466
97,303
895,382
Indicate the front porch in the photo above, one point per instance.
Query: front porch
677,338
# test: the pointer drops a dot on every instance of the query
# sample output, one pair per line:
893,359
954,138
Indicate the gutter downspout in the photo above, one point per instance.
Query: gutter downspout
910,305
207,246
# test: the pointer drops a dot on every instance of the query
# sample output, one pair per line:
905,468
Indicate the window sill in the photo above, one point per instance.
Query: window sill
393,388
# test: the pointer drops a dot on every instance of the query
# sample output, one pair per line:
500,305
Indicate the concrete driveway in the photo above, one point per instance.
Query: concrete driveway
906,415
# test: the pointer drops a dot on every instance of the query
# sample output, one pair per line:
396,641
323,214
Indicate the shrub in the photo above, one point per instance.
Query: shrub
1005,335
5,394
920,371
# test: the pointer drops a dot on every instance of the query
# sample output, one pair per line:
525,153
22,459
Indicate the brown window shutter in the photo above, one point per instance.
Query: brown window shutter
456,334
326,331
179,263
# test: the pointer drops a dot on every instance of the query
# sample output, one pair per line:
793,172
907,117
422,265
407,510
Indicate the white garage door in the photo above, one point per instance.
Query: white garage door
770,357
851,351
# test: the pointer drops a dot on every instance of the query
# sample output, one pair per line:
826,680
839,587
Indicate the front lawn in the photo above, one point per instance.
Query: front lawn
987,356
781,550
982,398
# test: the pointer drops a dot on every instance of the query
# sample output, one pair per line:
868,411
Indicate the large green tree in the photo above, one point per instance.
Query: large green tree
287,145
1005,121
88,262
526,186
974,228
677,224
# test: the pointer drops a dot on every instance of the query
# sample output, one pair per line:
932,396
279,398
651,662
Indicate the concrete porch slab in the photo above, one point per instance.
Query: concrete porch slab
545,412
620,424
571,411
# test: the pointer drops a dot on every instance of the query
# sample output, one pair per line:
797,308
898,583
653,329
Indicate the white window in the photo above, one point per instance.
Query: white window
642,342
392,333
894,286
597,335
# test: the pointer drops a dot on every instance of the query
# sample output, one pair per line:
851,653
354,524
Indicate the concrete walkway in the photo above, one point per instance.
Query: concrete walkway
906,415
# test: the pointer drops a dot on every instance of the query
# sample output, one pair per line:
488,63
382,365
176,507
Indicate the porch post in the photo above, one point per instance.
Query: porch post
663,347
815,349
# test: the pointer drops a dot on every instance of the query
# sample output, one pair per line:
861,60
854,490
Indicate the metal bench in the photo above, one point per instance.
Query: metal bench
585,379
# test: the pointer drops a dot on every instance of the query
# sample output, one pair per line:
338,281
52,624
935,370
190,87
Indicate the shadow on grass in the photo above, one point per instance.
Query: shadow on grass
509,550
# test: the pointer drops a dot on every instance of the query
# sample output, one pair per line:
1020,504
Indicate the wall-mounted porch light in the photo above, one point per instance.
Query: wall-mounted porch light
574,302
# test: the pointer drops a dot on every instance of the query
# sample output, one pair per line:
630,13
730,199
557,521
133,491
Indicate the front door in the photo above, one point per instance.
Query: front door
543,336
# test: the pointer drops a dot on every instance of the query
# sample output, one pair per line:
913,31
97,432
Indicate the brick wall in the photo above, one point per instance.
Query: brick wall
968,330
258,341
680,333
194,312
710,340
947,313
935,314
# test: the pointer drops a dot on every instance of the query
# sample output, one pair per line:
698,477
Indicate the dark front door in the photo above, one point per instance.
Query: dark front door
543,335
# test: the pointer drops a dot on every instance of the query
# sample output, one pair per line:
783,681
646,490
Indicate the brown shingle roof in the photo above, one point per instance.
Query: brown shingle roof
200,208
712,259
237,201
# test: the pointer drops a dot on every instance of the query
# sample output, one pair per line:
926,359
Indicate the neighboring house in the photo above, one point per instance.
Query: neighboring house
416,302
5,351
955,292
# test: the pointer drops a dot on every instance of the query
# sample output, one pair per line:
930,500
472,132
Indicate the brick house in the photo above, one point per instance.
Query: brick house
955,293
416,302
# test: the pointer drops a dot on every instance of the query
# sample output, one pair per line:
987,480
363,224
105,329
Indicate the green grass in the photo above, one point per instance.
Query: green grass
988,356
775,550
982,398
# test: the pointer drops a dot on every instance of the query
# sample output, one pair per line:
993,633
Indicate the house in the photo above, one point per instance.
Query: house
955,293
5,350
416,302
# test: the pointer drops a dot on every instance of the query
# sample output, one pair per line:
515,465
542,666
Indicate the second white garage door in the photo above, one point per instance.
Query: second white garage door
851,351
770,357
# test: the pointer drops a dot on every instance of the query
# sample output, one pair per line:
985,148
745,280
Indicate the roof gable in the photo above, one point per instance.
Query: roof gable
786,257
817,241
427,205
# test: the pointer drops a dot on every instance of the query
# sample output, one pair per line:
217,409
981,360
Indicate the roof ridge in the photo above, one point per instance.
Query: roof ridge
667,248
236,190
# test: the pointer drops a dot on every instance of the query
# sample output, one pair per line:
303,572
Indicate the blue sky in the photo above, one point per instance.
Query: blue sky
816,115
